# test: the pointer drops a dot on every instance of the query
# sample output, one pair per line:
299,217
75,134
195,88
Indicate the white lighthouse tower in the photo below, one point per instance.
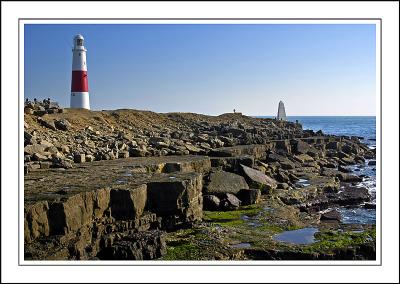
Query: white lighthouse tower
79,81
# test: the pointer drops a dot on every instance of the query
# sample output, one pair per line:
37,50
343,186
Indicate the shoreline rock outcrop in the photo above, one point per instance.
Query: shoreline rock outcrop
113,184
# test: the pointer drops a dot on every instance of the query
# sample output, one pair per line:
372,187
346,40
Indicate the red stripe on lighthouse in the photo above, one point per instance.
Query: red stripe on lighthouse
79,81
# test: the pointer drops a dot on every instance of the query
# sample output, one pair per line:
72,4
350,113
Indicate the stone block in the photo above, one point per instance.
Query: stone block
123,154
211,202
79,158
128,204
72,213
36,222
249,196
177,198
259,180
89,158
223,182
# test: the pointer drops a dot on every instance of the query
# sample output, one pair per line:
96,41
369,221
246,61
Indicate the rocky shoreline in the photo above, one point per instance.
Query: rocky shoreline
138,185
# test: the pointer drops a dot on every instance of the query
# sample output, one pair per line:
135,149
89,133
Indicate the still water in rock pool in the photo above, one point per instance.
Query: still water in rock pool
303,236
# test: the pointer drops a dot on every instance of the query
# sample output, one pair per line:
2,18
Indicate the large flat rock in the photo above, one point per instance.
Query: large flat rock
223,182
59,202
53,184
258,179
258,151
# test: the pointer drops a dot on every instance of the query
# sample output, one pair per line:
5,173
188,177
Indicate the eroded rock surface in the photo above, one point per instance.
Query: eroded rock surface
116,185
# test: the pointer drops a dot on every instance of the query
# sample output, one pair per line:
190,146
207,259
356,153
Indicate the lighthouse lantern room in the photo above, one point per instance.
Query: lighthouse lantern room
79,81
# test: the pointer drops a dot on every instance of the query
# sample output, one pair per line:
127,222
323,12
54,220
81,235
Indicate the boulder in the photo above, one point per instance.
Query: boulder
287,165
47,123
89,158
301,147
349,161
223,182
177,198
45,165
79,158
303,158
348,196
123,154
64,149
229,202
333,145
39,112
259,180
282,177
249,196
369,155
330,172
353,195
159,142
35,148
28,110
350,149
369,205
28,138
282,185
343,177
211,202
138,152
40,157
331,215
344,169
61,163
192,149
327,184
136,246
273,157
32,165
62,124
283,147
232,164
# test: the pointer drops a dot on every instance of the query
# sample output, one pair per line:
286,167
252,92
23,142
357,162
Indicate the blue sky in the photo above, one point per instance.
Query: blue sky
322,69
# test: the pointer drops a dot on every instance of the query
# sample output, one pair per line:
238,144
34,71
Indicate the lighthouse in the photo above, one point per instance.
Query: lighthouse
79,81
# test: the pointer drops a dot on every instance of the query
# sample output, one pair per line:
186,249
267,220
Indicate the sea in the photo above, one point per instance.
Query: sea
361,126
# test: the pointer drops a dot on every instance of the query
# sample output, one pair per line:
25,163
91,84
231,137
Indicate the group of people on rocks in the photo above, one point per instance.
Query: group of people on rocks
35,101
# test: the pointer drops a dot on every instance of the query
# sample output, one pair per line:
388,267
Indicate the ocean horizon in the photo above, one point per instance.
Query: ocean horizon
362,126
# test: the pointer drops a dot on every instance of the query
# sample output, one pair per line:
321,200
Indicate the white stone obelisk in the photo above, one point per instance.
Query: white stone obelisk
281,111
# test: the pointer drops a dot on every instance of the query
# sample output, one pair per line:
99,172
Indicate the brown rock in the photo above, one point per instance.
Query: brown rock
128,203
249,196
223,182
332,215
259,180
79,158
177,198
